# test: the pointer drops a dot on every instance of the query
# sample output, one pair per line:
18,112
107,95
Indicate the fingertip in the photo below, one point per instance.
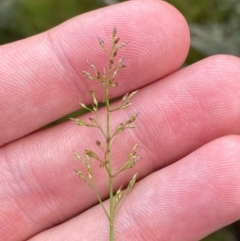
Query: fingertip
49,64
157,32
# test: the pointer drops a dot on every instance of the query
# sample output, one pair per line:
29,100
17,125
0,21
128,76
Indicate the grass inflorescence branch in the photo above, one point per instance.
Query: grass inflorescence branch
107,79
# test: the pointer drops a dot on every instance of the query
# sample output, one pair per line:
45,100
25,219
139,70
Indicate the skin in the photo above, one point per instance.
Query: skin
188,183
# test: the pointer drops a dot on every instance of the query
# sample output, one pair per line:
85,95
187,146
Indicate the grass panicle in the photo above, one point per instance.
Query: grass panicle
107,79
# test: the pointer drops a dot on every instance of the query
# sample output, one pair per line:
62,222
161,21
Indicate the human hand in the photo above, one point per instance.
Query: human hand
188,124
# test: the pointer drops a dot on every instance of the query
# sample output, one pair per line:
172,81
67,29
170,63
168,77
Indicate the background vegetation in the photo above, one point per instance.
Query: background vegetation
214,24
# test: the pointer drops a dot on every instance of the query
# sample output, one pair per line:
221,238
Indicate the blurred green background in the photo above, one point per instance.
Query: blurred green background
214,25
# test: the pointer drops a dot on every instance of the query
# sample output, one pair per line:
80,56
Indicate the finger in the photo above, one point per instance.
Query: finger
183,202
178,114
41,76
